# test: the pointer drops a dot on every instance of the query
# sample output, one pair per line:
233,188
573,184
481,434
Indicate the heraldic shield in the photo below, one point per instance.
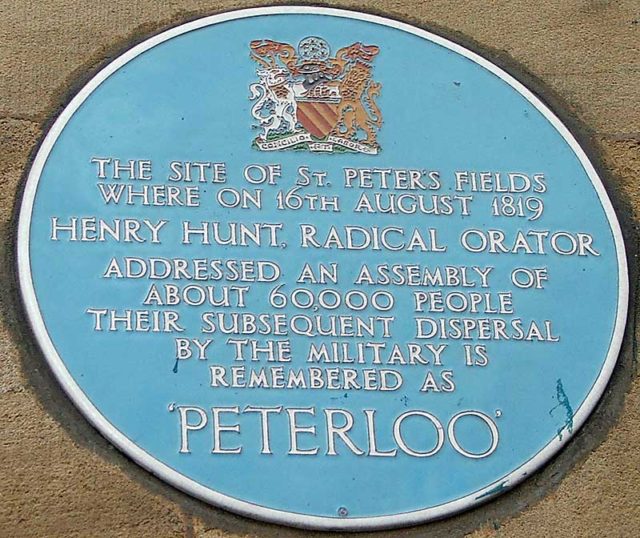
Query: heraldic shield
306,99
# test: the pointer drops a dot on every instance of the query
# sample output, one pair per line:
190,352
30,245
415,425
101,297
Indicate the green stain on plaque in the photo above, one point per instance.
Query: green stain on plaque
494,491
563,401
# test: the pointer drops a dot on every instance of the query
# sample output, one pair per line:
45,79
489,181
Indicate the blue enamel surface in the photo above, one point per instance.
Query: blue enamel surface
187,98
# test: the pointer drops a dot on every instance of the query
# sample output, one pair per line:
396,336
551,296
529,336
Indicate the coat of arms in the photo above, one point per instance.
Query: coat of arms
308,100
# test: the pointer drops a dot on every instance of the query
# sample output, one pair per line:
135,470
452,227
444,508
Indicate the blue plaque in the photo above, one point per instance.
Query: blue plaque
322,268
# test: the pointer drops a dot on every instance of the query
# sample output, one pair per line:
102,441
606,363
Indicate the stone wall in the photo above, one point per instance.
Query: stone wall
59,477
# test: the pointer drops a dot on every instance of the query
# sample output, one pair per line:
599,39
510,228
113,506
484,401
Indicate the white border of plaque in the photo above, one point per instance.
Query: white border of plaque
242,507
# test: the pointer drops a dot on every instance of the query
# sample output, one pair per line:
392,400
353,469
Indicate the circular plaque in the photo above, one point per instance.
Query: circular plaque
322,268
